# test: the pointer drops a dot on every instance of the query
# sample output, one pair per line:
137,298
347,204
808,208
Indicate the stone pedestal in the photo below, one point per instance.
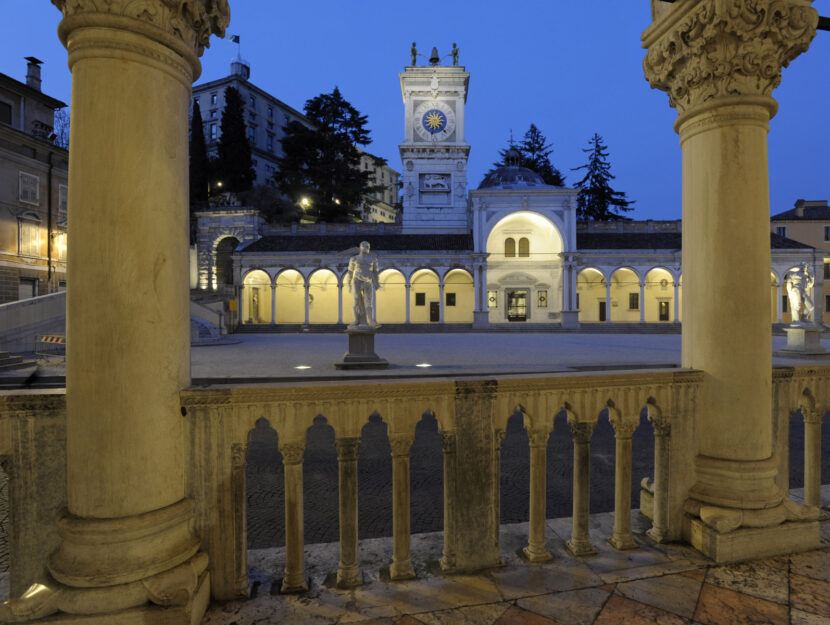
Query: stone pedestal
481,320
570,319
361,354
803,341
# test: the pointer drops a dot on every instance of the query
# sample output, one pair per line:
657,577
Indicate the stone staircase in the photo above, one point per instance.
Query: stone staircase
7,361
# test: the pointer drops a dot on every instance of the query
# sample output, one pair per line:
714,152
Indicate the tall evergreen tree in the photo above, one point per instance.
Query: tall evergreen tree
322,163
535,154
199,175
235,164
597,201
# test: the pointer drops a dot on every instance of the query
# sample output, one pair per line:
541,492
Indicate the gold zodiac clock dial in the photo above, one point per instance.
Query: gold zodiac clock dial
434,120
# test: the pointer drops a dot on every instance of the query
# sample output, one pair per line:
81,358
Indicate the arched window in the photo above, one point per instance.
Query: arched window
510,246
524,247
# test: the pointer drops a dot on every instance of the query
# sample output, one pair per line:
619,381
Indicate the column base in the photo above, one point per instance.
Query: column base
622,544
570,319
580,548
401,571
751,543
536,556
287,588
349,578
481,320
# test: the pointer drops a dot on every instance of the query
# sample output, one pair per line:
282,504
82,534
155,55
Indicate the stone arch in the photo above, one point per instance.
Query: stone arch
323,296
256,297
423,292
459,296
625,295
391,297
224,247
659,295
543,235
289,296
590,292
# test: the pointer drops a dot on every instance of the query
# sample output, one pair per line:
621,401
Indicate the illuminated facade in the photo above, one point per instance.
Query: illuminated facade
33,190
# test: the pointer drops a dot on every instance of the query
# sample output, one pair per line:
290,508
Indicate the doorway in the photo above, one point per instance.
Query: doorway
517,305
664,311
434,312
602,311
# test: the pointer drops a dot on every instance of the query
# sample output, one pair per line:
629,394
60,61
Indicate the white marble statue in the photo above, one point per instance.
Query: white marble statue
362,279
799,285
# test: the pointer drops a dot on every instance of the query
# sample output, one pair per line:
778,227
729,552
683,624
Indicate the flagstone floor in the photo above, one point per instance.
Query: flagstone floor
663,584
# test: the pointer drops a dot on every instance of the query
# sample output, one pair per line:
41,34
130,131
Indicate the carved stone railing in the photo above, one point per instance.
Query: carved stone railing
472,417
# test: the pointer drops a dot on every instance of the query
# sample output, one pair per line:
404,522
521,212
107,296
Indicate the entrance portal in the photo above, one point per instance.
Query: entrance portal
434,312
602,311
517,305
664,311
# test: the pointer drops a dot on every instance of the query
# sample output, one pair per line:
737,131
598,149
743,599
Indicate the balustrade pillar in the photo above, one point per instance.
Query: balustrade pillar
401,567
660,517
126,540
348,571
623,431
537,550
580,542
812,456
448,446
720,62
292,459
498,439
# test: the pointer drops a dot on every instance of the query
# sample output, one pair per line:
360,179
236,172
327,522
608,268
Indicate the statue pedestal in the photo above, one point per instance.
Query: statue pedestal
570,319
803,341
361,354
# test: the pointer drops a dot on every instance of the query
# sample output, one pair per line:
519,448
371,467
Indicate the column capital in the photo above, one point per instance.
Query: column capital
347,448
661,425
812,416
183,25
538,438
703,51
292,453
581,431
623,428
448,441
400,444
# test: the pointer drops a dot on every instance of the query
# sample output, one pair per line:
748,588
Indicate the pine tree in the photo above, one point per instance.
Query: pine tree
535,154
322,163
596,197
198,160
235,164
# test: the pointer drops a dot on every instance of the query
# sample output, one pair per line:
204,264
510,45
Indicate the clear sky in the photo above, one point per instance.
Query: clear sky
572,67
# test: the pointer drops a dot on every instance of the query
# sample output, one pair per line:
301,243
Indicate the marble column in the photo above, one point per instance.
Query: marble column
401,567
676,302
348,570
448,446
306,289
660,517
623,431
273,303
126,538
778,303
607,301
719,62
441,301
812,456
292,459
408,286
580,542
339,302
537,550
642,302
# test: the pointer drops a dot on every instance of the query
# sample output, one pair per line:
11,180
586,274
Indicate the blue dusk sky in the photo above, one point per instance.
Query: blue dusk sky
571,67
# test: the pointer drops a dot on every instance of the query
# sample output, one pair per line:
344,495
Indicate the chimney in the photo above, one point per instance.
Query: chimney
799,208
33,73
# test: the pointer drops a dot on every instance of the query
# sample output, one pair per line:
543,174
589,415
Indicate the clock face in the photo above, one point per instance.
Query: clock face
434,120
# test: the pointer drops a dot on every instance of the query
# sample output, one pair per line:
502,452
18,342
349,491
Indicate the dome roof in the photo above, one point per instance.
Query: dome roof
512,177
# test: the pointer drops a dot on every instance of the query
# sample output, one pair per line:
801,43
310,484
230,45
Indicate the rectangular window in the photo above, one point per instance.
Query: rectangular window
27,288
60,245
542,298
213,98
577,301
450,297
270,143
213,132
63,198
827,233
5,113
270,113
213,114
781,231
28,188
827,303
420,299
29,237
827,271
252,102
251,134
492,299
633,301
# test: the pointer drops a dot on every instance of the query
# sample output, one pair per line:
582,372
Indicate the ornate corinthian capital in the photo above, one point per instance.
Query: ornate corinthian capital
190,21
700,50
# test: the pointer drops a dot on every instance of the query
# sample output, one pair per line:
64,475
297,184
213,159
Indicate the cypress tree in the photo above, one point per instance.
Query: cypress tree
198,160
235,164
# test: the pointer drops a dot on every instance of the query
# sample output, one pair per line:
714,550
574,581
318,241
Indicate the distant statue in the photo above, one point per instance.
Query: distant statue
413,53
362,279
434,58
454,54
799,285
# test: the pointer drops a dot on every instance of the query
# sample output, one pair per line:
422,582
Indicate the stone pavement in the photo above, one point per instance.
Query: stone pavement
664,584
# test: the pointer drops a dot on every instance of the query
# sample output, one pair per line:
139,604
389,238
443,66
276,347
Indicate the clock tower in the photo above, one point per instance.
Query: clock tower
434,153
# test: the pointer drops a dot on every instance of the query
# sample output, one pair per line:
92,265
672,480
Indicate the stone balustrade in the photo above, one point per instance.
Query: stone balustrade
472,418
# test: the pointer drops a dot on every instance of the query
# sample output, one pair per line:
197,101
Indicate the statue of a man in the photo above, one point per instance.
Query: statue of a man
454,54
413,53
362,279
799,285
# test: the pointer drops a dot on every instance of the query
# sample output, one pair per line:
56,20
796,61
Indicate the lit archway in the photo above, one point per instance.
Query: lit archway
256,297
391,297
459,297
290,297
424,297
224,263
659,296
625,296
524,235
590,295
322,297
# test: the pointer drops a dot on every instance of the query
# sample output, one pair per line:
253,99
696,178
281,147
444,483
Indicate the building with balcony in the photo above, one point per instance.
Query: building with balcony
33,190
